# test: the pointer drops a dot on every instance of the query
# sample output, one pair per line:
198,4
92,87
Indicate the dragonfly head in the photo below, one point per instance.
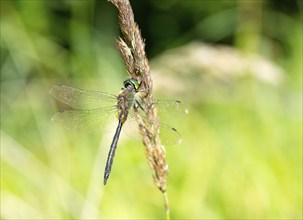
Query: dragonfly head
132,84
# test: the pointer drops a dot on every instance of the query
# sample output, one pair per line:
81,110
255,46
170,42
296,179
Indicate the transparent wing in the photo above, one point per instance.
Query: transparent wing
92,121
170,111
170,108
82,99
168,135
95,113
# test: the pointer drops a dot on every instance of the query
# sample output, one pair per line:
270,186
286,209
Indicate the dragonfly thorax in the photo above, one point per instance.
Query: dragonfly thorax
126,100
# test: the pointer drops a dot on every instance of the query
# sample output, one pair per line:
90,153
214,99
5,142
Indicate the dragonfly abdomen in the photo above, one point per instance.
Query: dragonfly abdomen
111,153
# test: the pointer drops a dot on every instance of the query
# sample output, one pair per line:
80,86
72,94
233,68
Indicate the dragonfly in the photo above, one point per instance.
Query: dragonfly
94,112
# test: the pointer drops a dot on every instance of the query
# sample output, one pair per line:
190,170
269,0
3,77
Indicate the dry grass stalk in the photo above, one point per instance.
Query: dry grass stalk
131,46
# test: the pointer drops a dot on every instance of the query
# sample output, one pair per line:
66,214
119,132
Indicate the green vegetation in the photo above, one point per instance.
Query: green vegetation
241,155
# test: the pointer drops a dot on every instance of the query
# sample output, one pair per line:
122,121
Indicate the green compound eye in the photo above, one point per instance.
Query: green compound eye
132,82
135,84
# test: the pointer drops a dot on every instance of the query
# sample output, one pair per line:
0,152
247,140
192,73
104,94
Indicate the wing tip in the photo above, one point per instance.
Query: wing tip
177,140
54,118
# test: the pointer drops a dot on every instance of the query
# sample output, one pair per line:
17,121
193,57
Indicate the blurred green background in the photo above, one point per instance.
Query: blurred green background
236,64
